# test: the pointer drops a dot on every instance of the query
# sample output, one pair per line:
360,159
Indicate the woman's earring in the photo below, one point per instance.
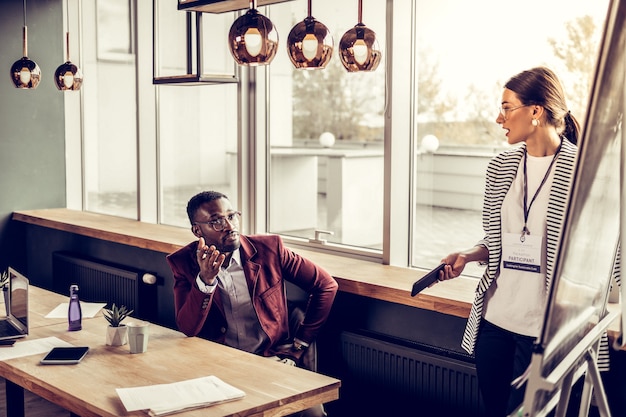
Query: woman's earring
535,122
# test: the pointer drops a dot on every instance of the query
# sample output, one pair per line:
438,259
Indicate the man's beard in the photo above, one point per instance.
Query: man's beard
229,245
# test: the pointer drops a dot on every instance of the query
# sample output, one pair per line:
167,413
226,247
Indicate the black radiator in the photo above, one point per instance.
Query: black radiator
103,282
423,380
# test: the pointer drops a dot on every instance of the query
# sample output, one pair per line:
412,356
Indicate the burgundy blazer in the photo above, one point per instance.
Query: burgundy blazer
267,263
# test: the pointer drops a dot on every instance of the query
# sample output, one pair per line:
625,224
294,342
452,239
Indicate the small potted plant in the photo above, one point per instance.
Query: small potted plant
117,333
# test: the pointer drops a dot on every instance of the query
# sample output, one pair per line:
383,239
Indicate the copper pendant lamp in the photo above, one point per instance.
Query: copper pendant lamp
68,77
253,39
25,73
310,44
358,48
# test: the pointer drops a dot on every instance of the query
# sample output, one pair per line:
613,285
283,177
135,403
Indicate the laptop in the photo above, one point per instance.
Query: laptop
15,324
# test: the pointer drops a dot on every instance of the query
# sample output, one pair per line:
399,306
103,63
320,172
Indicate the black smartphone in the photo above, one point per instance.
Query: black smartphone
66,355
426,280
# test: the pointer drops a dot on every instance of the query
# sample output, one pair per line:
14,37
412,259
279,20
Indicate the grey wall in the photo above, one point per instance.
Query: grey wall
32,144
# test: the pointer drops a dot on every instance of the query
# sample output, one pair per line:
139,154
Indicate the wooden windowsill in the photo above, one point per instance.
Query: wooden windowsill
369,279
364,278
158,238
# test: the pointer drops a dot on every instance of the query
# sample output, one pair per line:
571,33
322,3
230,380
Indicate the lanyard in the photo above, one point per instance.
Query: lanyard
527,206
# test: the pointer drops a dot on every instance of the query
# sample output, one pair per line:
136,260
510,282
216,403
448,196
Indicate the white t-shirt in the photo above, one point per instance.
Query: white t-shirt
516,299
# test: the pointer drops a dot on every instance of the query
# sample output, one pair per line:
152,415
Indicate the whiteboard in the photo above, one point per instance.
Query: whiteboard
586,256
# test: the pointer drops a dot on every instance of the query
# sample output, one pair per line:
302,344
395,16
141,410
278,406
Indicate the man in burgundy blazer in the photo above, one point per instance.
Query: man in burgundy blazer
230,288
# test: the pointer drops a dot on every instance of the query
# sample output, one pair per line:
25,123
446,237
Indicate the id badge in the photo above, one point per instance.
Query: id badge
522,256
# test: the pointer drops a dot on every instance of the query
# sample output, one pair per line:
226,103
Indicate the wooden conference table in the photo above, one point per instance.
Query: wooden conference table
88,388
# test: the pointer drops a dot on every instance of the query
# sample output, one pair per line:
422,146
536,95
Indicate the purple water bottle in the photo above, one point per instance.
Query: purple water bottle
74,313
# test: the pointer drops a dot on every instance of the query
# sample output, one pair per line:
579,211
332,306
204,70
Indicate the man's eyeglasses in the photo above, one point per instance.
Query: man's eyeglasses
505,110
220,224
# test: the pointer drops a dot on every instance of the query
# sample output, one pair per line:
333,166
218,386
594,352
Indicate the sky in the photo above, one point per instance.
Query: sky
482,42
494,39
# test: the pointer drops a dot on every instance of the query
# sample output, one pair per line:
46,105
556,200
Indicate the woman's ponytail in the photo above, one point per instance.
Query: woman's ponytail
572,128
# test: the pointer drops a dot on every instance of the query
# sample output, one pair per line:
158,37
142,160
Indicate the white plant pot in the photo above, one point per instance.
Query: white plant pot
117,336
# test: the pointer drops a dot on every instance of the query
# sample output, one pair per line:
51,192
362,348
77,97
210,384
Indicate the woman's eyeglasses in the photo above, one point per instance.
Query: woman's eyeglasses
505,110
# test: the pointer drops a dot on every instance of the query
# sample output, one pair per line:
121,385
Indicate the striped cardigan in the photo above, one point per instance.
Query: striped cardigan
501,172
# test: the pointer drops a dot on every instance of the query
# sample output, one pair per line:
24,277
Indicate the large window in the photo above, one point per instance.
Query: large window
197,122
110,108
197,146
326,135
463,60
390,161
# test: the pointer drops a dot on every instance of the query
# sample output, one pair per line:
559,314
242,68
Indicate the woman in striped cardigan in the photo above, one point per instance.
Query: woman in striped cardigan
524,206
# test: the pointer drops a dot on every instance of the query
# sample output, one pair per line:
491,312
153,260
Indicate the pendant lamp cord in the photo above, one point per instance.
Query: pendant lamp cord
67,32
360,11
24,32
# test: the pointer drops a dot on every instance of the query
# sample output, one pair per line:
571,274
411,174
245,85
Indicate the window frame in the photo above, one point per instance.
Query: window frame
254,107
253,151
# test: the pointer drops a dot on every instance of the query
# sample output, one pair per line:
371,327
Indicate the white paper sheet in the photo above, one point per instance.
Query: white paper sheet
30,347
163,399
88,309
